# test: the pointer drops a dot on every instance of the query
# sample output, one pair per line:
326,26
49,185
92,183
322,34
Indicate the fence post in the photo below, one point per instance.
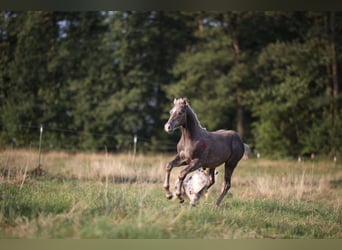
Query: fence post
40,144
135,140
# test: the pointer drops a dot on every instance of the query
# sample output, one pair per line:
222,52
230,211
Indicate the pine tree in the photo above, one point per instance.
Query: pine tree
95,79
142,47
33,37
291,104
215,71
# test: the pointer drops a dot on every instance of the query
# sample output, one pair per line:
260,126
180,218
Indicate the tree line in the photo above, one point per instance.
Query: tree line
98,78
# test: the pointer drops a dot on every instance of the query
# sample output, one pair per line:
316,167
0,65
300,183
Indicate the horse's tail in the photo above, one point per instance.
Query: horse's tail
246,152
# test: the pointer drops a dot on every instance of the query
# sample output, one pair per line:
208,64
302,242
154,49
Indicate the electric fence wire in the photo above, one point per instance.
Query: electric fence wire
162,145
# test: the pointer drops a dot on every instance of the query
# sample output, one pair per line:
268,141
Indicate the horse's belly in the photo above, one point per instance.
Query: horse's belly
217,155
213,163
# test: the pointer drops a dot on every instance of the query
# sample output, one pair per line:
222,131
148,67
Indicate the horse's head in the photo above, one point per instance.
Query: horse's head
177,115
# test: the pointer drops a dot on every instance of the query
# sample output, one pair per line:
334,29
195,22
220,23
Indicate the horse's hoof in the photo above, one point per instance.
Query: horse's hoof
181,201
169,196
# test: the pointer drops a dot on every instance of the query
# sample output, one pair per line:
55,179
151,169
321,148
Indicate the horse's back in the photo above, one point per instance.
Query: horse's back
229,136
225,132
225,145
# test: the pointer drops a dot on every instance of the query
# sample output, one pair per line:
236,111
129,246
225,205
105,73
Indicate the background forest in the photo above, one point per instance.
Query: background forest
96,79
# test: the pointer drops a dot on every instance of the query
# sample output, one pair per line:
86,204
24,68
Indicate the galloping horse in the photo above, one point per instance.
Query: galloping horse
199,148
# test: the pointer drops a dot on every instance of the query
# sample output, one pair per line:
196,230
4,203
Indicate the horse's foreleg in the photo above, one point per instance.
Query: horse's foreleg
212,177
194,164
176,162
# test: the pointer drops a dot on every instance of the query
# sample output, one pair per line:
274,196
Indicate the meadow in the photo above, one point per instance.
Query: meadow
93,195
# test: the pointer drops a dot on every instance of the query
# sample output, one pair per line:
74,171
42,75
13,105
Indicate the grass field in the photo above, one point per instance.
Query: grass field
116,196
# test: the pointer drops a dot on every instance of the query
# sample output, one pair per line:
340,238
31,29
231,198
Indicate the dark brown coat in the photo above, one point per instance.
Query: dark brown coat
199,148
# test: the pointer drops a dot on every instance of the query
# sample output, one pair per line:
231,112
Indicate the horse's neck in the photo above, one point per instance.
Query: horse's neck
192,127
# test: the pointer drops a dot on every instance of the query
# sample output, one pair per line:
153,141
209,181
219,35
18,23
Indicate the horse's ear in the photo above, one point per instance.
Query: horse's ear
185,101
174,101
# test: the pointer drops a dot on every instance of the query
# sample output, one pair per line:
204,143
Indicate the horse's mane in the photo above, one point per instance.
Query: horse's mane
185,101
194,116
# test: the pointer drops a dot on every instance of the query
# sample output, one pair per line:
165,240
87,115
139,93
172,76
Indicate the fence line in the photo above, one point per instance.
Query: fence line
129,139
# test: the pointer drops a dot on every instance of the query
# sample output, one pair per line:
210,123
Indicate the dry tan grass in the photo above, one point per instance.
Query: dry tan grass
85,166
94,195
252,179
288,181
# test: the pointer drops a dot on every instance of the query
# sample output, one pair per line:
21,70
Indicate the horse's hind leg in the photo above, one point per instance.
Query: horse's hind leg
228,171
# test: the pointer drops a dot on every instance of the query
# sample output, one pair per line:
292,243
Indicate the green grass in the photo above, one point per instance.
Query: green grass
98,196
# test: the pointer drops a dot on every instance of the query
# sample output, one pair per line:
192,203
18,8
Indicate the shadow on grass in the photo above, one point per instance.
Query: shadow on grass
336,183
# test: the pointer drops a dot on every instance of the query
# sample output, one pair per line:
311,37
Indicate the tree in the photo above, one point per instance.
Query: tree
32,38
292,104
142,47
95,79
215,71
85,60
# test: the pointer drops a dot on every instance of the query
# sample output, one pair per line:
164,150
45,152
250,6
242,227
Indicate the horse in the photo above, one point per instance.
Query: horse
200,148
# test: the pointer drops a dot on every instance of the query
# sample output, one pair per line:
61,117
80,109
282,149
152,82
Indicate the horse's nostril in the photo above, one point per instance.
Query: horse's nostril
167,127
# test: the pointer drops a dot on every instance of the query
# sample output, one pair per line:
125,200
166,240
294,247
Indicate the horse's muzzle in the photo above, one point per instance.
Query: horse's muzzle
168,128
